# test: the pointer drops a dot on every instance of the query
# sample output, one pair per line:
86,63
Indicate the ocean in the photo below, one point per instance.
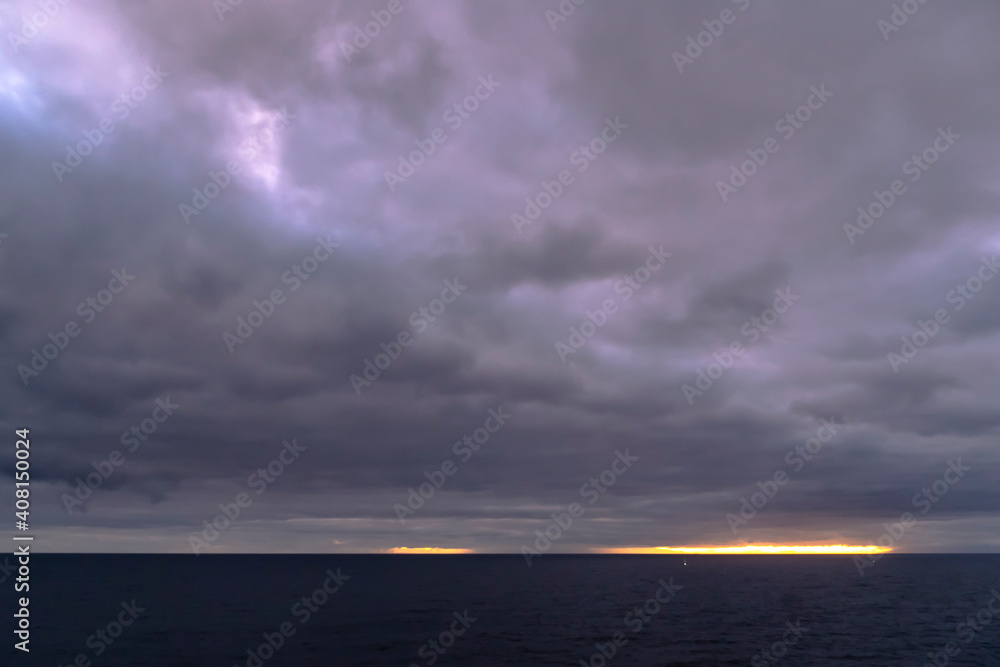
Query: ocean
355,610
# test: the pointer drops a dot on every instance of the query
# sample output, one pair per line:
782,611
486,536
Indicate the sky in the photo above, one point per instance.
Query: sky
627,275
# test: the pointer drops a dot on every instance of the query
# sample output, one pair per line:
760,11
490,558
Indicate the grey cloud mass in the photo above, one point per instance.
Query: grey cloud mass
312,134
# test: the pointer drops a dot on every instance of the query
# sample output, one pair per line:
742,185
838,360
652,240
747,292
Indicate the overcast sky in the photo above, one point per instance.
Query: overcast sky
630,139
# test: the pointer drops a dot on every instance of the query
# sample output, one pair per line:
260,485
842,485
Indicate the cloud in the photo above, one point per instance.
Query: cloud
322,177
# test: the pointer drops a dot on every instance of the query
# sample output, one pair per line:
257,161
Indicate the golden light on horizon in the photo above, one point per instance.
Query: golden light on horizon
427,550
752,549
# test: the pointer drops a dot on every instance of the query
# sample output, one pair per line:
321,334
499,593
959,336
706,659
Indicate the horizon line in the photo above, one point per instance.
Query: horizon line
482,553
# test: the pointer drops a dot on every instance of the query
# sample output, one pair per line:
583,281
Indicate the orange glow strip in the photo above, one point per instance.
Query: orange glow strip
427,550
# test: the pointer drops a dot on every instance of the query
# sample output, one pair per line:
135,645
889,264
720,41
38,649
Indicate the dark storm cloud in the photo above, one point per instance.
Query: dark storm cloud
317,180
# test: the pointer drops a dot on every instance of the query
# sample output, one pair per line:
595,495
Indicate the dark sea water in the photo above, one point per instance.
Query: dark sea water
209,610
